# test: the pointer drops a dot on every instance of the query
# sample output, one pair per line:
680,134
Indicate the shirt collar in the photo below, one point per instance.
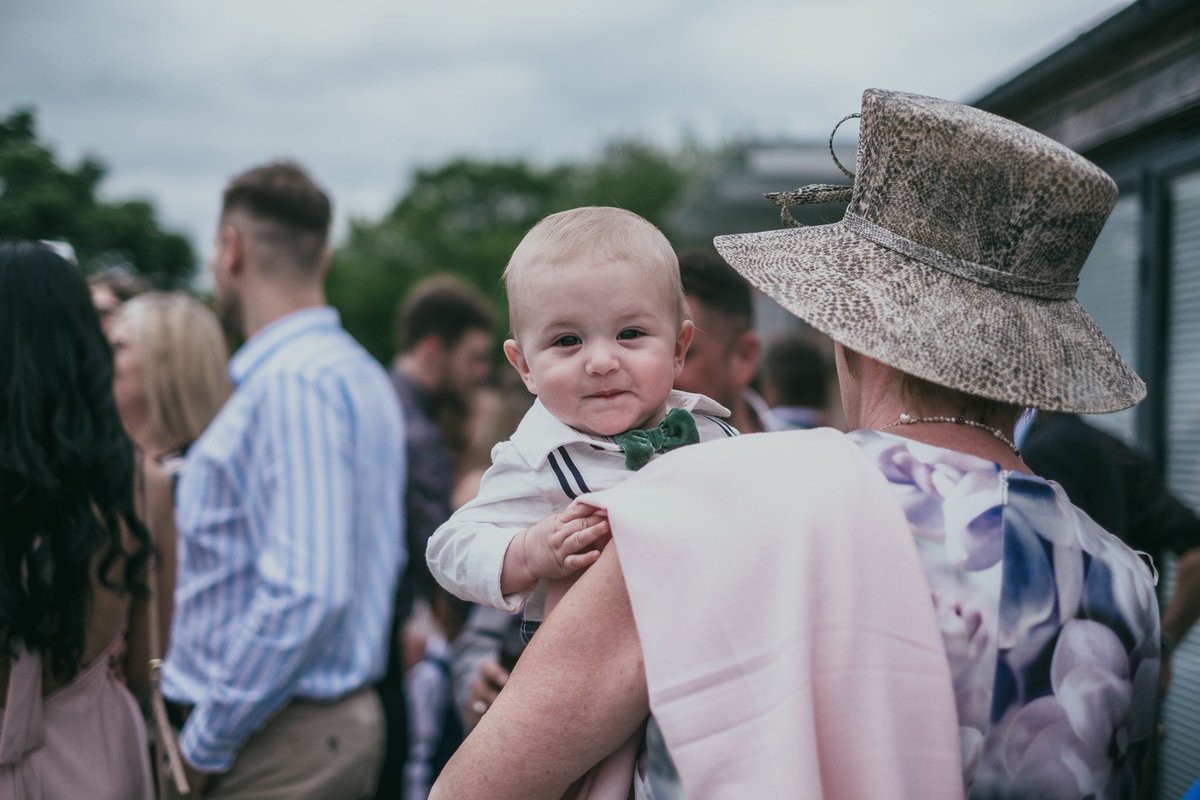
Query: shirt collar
540,432
260,347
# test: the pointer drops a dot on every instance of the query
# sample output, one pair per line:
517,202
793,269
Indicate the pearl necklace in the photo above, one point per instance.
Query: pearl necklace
909,419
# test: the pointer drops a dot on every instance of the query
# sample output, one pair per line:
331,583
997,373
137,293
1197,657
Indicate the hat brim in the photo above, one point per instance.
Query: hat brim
1047,354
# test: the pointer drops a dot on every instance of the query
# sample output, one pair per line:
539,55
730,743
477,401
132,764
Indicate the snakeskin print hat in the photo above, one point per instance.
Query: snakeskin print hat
957,260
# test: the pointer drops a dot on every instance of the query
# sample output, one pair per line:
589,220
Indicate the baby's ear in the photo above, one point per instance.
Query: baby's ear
682,342
512,351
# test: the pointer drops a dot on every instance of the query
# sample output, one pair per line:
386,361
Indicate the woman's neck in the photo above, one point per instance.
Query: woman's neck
878,400
146,438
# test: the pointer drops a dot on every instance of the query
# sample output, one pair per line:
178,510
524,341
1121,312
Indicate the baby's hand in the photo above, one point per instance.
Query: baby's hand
556,547
563,544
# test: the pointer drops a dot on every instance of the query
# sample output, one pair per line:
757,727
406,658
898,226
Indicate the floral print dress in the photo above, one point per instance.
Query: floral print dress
1050,625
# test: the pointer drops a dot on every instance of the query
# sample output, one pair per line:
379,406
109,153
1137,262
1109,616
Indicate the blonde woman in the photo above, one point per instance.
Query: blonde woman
170,379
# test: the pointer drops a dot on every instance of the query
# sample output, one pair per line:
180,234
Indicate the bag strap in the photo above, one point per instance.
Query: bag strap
164,734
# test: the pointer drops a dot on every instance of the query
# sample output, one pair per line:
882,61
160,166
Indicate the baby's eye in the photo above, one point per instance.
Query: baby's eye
568,340
630,333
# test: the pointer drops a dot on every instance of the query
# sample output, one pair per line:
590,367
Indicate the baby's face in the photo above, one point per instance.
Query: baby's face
599,344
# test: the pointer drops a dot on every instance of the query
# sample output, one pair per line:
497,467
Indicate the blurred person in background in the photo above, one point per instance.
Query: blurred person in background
496,411
110,289
170,378
74,555
723,358
435,727
444,333
795,381
489,642
289,522
1121,490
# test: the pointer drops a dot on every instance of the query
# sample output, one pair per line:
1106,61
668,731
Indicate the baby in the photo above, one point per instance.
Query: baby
599,335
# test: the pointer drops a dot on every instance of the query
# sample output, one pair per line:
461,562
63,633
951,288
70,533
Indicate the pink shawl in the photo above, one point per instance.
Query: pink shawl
789,637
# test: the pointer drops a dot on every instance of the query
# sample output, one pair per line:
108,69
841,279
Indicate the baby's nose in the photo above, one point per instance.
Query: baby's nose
602,359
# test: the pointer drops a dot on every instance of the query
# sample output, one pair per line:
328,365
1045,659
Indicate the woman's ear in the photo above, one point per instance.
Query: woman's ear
512,351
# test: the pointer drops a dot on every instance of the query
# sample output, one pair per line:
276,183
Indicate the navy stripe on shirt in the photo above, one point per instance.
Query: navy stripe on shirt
725,426
562,479
583,487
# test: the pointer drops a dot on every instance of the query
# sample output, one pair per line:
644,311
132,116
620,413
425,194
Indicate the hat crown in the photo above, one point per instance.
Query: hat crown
979,189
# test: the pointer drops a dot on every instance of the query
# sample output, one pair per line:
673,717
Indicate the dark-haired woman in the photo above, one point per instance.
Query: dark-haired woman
72,553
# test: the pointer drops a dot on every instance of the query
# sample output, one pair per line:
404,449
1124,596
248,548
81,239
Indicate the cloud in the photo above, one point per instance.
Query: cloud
176,97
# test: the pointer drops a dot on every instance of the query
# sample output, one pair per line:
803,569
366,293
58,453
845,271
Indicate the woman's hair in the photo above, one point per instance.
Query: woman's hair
185,363
921,394
66,465
926,394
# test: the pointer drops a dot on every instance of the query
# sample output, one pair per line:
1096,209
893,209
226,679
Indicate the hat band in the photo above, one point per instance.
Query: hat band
978,273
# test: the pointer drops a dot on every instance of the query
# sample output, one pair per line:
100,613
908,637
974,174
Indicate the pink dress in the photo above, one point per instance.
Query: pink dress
84,739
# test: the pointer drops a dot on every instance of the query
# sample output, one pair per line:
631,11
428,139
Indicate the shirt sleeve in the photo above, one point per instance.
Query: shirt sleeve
480,640
466,554
304,569
428,694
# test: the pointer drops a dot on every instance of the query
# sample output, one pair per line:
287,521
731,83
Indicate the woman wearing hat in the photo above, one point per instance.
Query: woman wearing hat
902,611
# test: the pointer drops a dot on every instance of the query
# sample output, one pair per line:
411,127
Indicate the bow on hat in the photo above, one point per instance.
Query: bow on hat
676,430
817,192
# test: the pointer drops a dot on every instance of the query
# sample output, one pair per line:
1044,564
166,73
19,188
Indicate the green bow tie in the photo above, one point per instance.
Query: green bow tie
678,429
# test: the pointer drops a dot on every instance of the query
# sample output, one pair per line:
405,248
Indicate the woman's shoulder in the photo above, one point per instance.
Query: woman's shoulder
791,462
762,451
890,452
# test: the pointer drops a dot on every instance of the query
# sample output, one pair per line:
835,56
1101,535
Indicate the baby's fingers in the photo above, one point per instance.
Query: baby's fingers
583,539
579,510
578,561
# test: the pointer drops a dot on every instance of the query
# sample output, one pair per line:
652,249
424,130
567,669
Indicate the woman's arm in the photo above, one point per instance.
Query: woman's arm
159,516
577,694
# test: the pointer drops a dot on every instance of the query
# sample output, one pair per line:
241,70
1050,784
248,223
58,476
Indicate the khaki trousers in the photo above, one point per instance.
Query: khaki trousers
310,751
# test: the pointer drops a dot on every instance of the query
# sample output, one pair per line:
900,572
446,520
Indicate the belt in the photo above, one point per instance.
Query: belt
178,713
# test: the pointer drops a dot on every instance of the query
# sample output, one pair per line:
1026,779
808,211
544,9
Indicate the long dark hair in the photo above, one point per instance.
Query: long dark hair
66,465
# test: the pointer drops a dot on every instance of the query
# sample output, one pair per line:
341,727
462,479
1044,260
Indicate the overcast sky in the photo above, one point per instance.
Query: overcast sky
178,96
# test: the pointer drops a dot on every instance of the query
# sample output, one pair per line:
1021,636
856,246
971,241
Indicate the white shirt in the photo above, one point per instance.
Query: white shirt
538,472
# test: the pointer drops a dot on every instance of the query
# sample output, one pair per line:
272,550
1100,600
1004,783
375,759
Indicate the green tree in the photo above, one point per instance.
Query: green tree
43,199
467,216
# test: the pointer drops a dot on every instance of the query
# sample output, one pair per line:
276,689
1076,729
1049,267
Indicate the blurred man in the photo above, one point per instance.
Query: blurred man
795,382
1121,490
289,522
445,336
725,349
444,332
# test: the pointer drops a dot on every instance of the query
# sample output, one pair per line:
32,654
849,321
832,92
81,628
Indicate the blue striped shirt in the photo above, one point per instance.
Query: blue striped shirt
290,537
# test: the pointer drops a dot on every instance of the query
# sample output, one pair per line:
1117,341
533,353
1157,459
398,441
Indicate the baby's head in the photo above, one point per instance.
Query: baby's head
598,320
594,235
